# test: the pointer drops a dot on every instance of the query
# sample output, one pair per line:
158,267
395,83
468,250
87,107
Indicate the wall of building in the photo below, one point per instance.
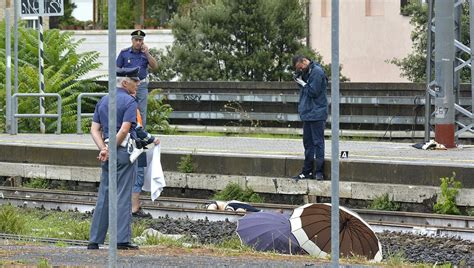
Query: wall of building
97,40
370,33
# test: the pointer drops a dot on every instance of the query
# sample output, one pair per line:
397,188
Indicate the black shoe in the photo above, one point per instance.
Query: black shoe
141,214
302,176
127,246
319,176
93,246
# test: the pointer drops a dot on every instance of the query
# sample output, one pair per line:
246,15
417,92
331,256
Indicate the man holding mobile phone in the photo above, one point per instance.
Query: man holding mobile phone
138,55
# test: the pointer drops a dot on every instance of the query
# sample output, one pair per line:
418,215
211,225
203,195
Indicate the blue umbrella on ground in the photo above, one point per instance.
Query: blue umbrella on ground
268,231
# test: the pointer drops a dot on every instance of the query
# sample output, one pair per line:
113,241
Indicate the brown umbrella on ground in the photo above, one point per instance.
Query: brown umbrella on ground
311,225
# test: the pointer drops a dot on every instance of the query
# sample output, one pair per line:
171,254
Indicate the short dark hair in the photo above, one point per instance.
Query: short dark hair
297,58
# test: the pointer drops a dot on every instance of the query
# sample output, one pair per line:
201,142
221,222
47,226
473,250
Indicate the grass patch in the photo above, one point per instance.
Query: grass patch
11,220
57,224
43,263
383,202
396,258
37,183
233,191
186,164
137,228
446,203
235,244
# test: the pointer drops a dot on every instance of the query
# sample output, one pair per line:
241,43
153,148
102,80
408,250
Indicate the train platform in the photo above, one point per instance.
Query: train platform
264,163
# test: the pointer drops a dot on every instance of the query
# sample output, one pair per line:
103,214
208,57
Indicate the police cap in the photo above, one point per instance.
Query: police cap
138,34
131,73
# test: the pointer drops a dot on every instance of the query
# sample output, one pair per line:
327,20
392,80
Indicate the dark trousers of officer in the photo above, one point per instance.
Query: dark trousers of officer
126,173
313,142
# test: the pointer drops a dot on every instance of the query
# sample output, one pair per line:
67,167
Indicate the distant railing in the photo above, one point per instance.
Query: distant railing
16,115
364,106
80,115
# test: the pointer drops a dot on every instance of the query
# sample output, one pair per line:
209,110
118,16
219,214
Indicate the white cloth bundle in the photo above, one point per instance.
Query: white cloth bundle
154,178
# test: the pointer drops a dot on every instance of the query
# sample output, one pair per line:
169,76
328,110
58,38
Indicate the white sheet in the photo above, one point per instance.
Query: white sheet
154,178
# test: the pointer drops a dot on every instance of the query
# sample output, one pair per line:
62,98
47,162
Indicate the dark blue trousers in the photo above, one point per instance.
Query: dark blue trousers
126,173
313,142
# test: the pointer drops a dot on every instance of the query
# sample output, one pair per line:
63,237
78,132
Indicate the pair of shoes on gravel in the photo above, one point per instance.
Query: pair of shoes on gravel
121,246
141,214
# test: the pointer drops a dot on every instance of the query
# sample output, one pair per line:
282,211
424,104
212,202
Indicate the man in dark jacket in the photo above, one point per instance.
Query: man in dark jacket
313,111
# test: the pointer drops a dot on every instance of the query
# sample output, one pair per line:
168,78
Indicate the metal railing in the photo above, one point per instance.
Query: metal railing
16,115
278,116
80,115
293,98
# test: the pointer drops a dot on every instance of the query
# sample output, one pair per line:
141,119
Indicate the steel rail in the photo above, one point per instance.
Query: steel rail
449,225
48,240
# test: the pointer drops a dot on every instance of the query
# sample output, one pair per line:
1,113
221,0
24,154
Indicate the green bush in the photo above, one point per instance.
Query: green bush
446,203
383,202
37,183
234,192
186,164
158,114
11,221
79,231
64,72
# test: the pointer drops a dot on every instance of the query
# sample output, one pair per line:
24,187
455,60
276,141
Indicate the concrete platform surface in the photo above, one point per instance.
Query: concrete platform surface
290,148
265,165
371,162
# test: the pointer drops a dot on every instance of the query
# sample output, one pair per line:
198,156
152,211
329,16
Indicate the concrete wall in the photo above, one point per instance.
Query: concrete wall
97,40
370,32
3,6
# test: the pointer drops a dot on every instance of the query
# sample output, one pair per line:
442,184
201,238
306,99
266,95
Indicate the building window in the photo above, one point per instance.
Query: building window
374,7
325,8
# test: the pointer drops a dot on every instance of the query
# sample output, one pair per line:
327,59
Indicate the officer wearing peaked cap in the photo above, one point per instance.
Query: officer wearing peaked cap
127,83
138,34
138,55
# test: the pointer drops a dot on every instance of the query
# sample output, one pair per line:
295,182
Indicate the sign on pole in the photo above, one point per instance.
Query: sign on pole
35,8
39,9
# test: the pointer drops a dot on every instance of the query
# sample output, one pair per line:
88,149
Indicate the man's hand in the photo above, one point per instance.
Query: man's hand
300,82
104,154
156,141
145,49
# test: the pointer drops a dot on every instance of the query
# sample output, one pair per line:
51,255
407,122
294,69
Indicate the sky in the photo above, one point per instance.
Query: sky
84,10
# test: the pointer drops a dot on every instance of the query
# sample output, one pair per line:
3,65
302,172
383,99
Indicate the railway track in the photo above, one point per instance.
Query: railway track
422,223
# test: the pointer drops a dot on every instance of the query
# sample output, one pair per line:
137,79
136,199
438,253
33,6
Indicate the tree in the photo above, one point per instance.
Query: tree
246,40
64,71
66,19
413,66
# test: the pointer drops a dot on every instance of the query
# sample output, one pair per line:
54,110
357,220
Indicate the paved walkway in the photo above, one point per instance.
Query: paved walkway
151,256
358,150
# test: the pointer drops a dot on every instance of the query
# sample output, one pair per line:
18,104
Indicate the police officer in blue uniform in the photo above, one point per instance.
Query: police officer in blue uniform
127,83
138,55
313,111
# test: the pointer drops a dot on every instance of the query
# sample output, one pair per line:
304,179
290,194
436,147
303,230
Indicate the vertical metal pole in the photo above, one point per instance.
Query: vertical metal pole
471,31
41,71
15,52
15,44
444,68
112,136
429,55
8,77
335,134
